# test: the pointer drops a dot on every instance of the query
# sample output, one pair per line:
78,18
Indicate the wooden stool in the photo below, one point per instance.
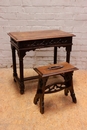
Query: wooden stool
63,73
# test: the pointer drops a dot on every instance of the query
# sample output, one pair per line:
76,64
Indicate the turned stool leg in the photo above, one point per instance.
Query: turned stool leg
40,93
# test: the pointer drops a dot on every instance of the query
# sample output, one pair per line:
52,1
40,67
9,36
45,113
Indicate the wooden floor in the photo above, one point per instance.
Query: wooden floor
17,112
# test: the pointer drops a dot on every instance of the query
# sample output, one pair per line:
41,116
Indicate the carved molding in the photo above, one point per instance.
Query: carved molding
45,43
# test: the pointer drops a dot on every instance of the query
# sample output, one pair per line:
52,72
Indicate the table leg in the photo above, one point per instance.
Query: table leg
68,50
21,72
14,62
55,55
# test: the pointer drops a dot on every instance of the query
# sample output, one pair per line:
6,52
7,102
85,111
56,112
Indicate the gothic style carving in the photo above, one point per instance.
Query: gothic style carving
46,42
54,88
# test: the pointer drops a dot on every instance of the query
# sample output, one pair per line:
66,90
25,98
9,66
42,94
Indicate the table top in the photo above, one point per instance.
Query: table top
36,35
55,69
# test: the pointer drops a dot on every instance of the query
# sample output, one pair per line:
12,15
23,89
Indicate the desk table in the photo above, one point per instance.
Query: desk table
27,41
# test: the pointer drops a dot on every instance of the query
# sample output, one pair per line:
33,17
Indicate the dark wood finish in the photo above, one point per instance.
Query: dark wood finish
26,41
66,71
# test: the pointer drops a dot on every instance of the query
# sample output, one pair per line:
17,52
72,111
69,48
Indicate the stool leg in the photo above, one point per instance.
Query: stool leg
66,91
36,99
40,93
42,104
67,77
72,93
69,84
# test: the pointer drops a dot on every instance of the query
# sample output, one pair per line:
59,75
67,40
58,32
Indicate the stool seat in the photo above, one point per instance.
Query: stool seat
54,69
54,78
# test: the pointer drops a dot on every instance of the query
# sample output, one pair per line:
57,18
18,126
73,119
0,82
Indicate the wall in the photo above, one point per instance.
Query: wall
27,15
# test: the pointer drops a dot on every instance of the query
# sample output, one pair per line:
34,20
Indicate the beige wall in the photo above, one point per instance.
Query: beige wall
27,15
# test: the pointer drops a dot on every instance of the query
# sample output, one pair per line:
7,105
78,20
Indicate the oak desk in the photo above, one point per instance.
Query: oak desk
26,41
